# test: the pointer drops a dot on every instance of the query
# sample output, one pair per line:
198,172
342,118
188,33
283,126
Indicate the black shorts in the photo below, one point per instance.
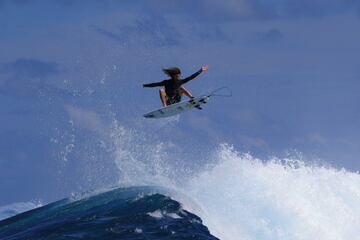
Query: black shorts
174,99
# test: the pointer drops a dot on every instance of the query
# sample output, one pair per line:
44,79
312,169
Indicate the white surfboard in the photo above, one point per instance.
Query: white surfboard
178,108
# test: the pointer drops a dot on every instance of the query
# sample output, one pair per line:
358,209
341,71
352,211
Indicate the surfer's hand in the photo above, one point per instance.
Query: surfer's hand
204,68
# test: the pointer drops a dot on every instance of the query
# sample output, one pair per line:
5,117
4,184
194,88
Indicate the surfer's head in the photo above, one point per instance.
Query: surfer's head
173,72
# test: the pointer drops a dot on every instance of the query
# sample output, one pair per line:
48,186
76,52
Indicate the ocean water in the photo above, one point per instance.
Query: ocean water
239,196
232,196
246,198
16,208
120,213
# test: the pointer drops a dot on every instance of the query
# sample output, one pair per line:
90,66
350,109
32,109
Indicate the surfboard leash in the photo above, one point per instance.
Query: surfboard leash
214,93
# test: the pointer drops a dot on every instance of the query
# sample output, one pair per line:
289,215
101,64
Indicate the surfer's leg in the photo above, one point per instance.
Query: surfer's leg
186,92
163,97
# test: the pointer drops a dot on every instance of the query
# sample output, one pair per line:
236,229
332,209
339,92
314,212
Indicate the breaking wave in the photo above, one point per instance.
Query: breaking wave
230,195
242,197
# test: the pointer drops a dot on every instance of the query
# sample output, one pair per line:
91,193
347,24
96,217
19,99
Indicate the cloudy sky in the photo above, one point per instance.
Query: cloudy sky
70,69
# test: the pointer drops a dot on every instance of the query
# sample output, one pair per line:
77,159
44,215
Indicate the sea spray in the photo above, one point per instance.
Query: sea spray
239,196
242,197
139,162
246,198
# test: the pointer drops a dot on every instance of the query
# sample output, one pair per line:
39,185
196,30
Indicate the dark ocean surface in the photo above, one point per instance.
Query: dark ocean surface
121,213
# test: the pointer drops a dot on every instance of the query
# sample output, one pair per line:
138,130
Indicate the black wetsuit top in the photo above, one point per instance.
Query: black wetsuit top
172,85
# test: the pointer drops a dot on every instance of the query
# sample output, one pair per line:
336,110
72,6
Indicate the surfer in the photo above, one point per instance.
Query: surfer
173,86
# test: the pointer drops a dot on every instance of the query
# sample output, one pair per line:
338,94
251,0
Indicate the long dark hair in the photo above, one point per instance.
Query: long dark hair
172,72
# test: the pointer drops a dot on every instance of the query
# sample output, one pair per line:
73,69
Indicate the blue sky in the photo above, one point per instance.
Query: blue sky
69,68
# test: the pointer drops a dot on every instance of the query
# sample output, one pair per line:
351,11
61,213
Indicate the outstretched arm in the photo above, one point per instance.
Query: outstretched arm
156,84
203,68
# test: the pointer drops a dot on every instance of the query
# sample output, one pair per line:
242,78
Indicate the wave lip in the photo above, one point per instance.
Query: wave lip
16,208
121,213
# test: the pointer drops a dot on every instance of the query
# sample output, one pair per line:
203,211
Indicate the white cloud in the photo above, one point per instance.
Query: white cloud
86,119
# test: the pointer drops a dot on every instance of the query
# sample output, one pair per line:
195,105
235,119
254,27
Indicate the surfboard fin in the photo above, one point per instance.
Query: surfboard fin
198,107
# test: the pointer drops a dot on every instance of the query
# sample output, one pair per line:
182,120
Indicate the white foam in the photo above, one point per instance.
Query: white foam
138,230
245,198
156,214
241,197
160,214
173,215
